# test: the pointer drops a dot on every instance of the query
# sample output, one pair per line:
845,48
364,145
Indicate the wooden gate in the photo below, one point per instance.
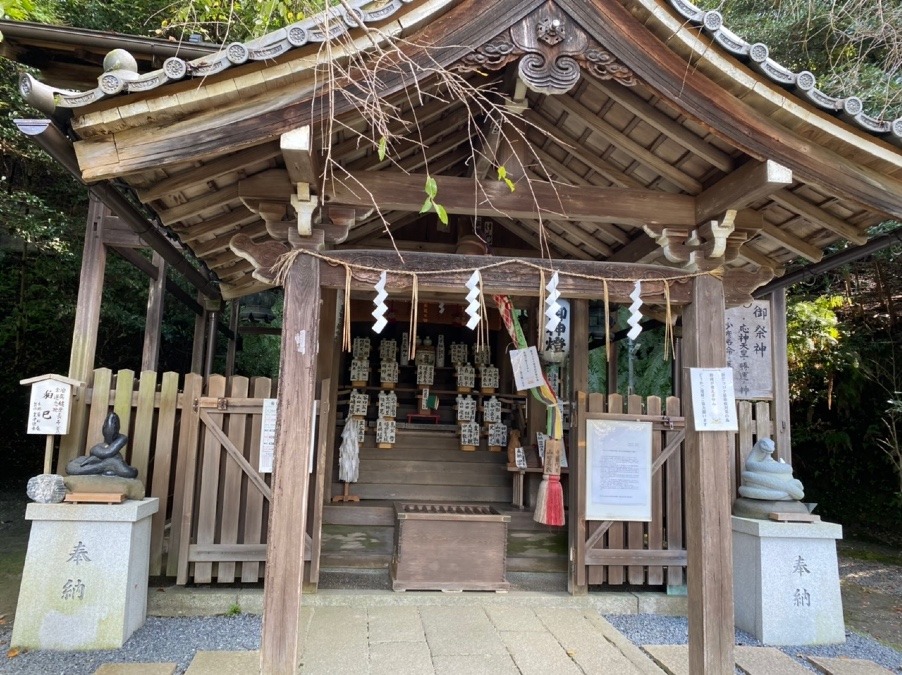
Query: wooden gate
197,451
634,553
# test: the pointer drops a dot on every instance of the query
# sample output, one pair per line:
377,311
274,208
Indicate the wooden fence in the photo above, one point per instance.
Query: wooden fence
634,553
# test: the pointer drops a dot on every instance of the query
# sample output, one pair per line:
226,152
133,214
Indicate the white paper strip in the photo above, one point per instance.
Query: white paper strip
379,301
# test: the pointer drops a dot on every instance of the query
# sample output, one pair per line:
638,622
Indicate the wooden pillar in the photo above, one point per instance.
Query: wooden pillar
579,362
536,412
708,527
234,307
200,328
279,644
210,352
84,332
612,366
780,410
154,322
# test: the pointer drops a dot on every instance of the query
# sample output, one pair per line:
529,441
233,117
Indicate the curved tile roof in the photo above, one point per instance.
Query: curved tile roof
121,77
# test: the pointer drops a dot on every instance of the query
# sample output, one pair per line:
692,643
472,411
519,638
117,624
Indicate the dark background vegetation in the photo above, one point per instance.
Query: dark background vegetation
845,326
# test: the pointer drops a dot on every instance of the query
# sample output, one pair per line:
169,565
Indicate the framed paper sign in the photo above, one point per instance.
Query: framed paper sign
618,476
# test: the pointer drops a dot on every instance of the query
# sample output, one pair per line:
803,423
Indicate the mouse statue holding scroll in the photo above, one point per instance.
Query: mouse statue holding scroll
105,458
768,485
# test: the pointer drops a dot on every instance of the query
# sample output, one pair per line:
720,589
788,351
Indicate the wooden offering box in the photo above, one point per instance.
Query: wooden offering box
449,547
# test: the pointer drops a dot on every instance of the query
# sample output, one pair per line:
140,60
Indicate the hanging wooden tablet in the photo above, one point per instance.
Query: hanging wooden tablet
458,353
440,351
385,433
497,436
388,404
361,348
425,375
388,374
405,349
466,378
359,402
469,436
360,372
482,355
488,379
388,350
466,409
491,411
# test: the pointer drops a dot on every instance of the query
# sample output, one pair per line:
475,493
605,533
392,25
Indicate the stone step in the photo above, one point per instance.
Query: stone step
843,666
224,663
674,660
136,669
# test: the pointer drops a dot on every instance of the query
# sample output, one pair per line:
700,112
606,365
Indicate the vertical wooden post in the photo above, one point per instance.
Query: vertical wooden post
279,648
708,527
612,367
579,364
212,321
200,327
780,411
154,322
234,306
84,332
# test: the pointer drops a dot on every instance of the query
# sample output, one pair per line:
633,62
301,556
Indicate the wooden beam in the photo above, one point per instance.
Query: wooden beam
746,185
792,242
528,231
84,332
204,173
729,117
708,520
153,323
218,198
649,114
641,249
301,159
280,648
818,216
393,191
235,218
636,150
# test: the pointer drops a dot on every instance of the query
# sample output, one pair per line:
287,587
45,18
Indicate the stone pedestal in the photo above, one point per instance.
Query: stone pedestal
786,582
84,585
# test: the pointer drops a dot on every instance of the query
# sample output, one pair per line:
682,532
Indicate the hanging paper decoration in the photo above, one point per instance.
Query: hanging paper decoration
388,350
473,305
361,349
425,374
635,314
379,301
349,452
551,305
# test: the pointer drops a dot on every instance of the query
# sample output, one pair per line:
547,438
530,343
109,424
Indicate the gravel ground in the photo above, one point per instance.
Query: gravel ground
649,629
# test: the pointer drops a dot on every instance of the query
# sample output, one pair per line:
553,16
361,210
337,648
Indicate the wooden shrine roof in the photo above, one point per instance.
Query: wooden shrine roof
662,118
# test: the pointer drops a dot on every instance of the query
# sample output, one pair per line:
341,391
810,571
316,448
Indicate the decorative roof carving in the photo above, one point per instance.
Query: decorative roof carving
552,51
803,83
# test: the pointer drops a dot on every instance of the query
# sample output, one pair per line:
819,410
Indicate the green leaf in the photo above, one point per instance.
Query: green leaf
510,184
427,205
442,214
502,173
431,187
383,144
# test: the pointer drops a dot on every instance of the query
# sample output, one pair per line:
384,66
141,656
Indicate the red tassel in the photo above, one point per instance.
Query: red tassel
554,511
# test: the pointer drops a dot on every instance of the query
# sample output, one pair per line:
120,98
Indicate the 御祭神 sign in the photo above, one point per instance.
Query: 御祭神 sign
750,350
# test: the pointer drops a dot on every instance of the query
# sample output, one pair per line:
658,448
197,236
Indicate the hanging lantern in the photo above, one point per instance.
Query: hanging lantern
557,339
388,374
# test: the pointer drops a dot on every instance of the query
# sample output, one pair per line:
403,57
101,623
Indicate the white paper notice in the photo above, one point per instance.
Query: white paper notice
268,434
713,401
527,368
49,408
619,476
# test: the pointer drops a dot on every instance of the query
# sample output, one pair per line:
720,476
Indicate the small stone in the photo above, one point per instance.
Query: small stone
132,488
47,488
